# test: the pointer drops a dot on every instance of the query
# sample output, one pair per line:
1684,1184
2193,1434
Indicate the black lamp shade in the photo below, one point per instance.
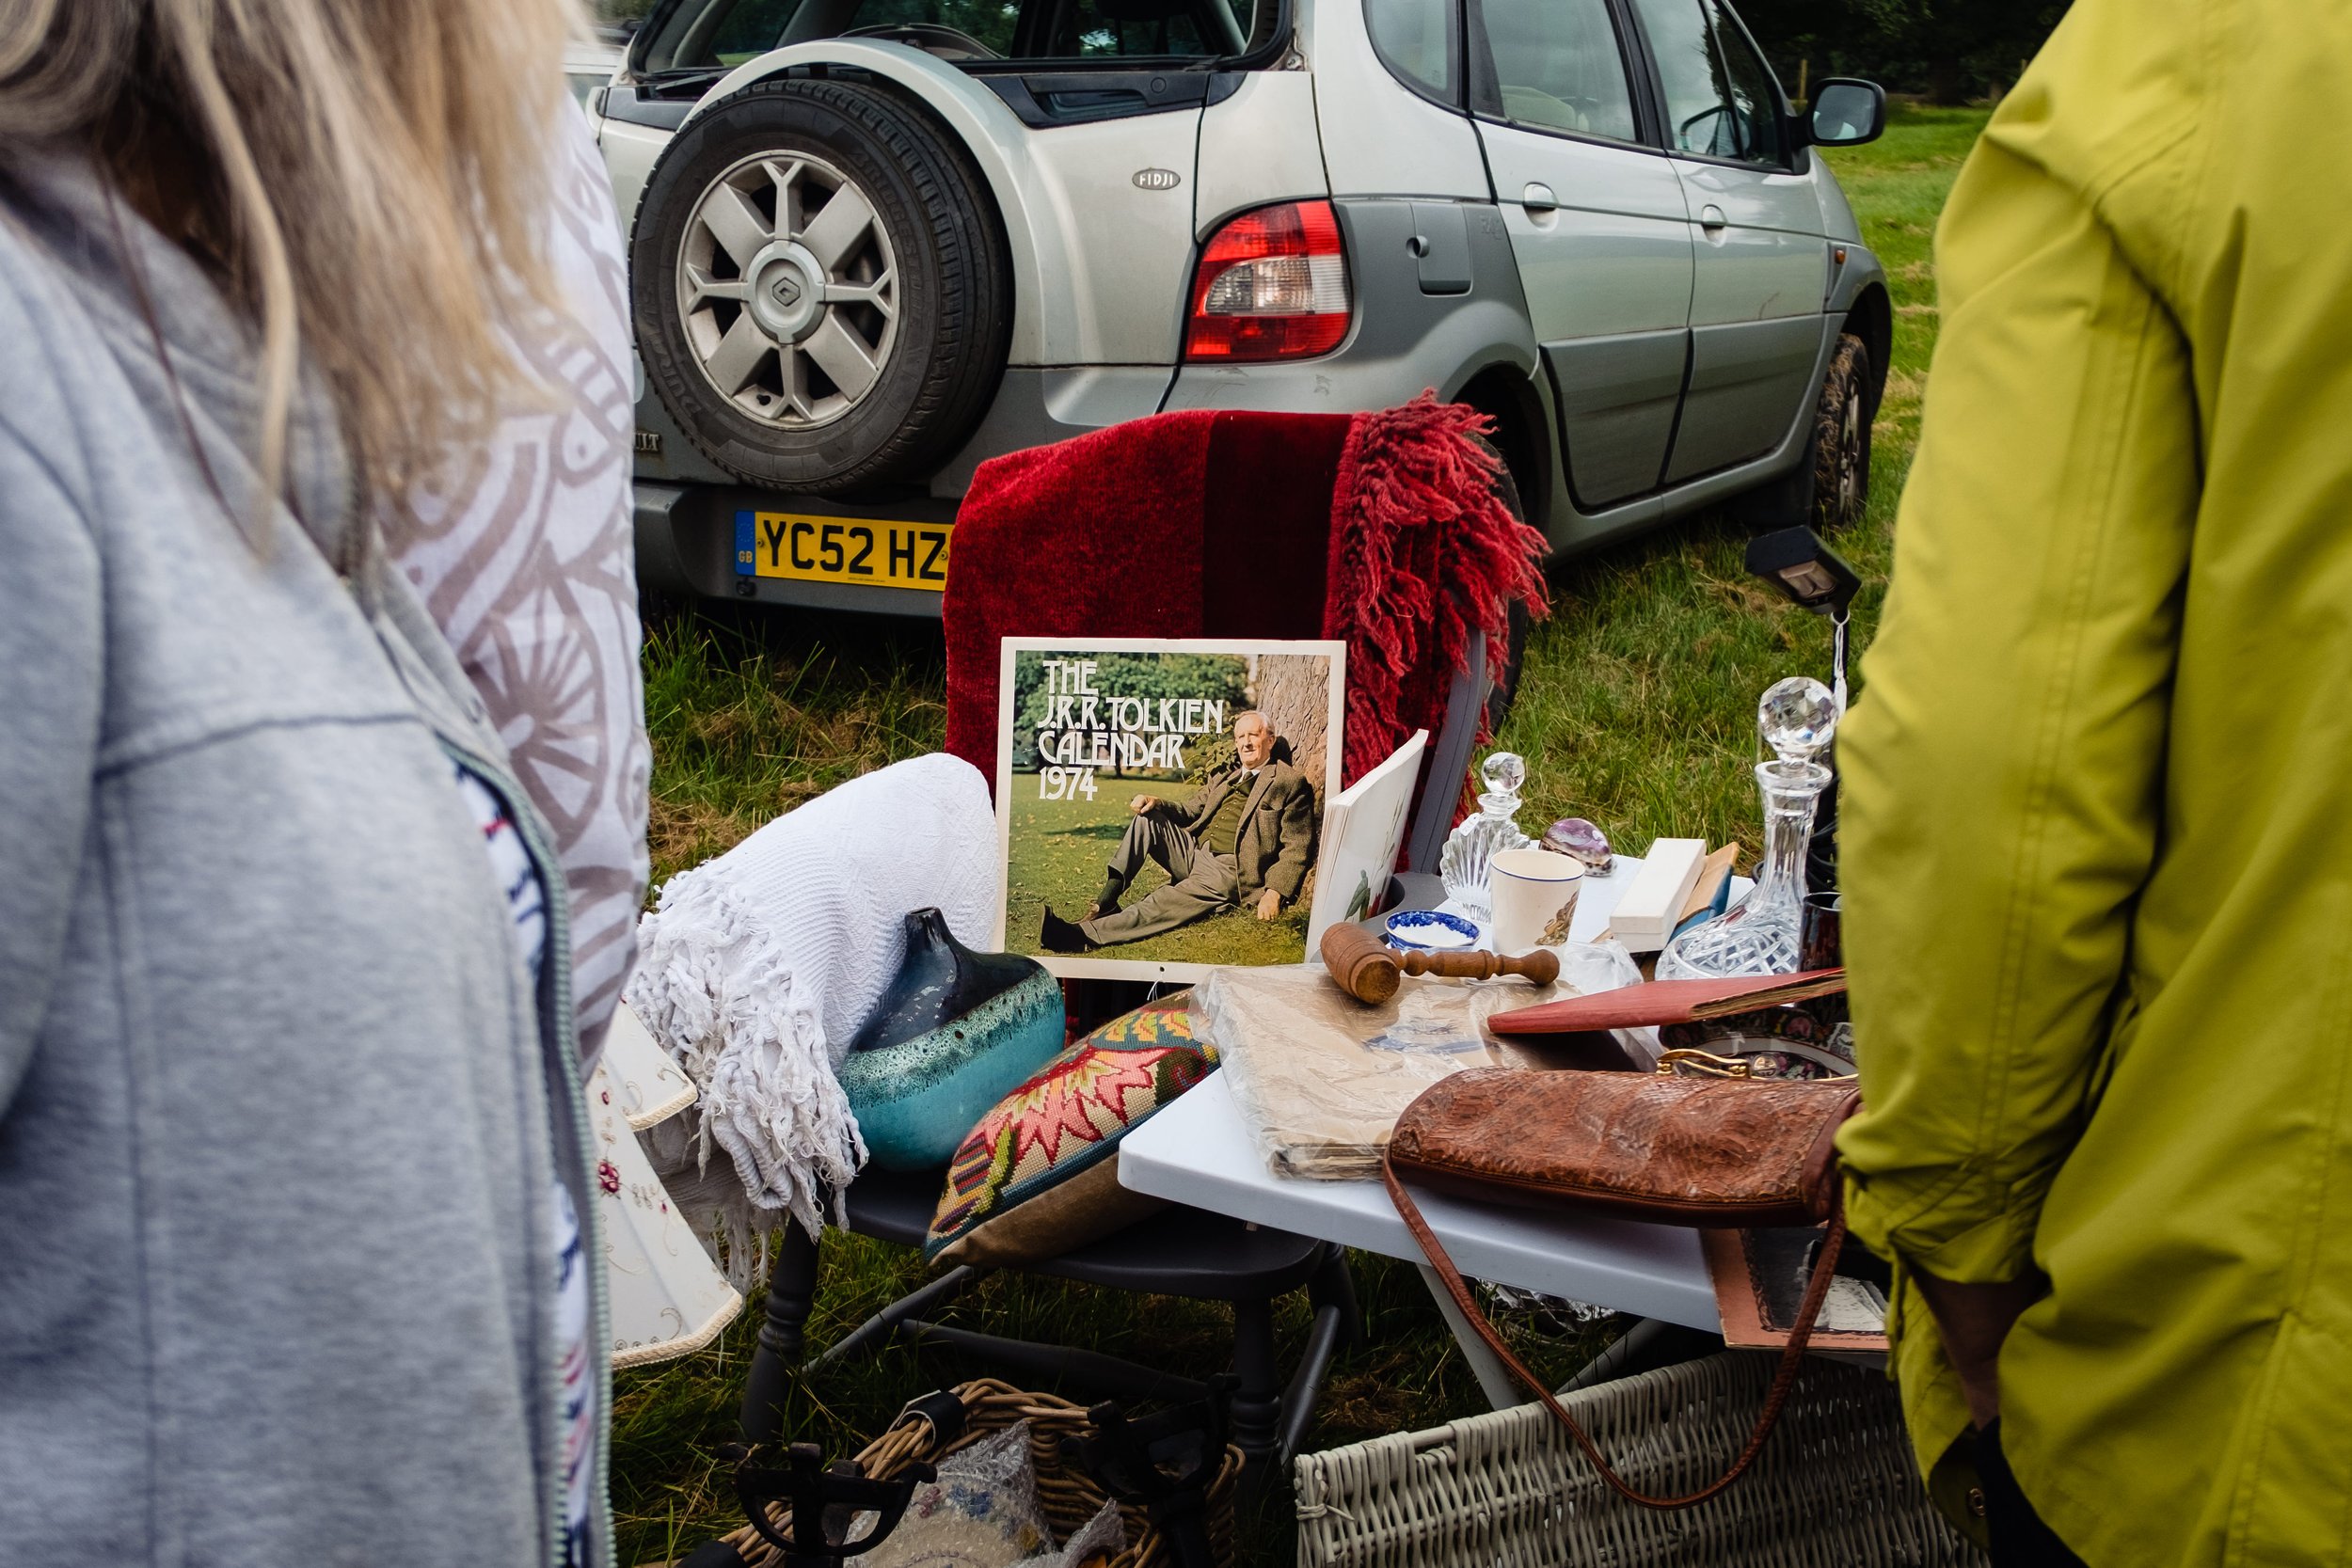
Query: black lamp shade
1795,560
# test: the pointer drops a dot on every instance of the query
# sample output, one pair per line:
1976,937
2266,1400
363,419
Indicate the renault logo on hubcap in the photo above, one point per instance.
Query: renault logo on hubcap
786,290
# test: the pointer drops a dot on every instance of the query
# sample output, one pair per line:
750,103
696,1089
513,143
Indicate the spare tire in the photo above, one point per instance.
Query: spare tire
820,285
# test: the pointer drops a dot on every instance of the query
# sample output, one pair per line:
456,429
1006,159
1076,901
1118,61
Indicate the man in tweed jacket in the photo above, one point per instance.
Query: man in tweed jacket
1247,837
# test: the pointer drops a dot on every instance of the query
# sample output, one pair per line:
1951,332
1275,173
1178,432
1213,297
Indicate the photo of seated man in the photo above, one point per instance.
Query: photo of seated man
1246,839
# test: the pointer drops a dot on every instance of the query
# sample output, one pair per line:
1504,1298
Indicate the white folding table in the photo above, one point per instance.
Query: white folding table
1198,1151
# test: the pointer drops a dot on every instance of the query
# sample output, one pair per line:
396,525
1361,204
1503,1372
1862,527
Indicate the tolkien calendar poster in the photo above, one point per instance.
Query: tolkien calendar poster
1161,802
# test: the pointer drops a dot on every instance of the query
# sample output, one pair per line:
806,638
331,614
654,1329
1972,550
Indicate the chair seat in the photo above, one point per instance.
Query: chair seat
1180,1252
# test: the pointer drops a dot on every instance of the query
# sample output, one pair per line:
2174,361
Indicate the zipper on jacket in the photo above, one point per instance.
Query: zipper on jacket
556,1025
555,973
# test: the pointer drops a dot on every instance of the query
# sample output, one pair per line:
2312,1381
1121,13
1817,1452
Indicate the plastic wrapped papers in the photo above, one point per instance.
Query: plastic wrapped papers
1321,1078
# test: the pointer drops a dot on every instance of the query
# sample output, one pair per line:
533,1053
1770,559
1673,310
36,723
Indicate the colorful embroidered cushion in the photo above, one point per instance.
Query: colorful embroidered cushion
1039,1175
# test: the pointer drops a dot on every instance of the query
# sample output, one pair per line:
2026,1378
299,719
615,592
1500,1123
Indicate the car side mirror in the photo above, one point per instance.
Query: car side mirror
1847,112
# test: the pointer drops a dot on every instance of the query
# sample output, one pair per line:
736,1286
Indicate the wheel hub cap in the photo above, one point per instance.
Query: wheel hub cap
787,293
787,288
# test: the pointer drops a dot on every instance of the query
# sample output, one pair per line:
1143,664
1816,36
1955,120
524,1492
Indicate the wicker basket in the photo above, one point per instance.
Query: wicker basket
1834,1488
1070,1496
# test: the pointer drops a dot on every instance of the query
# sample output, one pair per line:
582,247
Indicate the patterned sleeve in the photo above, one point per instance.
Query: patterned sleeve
523,553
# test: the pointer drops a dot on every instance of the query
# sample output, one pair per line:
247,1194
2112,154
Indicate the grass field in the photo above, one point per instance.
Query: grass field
1637,709
1058,854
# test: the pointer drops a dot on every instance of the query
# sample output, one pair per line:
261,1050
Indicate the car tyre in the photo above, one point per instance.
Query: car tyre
820,285
1841,437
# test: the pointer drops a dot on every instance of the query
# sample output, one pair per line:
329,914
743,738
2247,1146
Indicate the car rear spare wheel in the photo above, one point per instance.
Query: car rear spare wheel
820,288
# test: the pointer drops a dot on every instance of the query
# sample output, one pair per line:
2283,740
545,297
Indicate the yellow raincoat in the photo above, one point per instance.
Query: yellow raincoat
2098,792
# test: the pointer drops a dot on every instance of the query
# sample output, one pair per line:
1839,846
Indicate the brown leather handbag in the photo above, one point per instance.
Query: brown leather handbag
1729,1153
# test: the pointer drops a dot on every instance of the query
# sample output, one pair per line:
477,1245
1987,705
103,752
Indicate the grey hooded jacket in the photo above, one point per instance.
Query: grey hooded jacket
278,1108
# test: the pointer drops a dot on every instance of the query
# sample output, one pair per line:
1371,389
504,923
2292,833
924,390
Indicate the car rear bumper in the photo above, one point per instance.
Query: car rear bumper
688,511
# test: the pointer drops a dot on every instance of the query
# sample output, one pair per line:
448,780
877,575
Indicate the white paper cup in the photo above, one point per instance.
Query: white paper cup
1535,898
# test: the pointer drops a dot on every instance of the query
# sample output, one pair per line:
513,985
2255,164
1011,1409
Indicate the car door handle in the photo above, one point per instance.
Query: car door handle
1537,197
1711,219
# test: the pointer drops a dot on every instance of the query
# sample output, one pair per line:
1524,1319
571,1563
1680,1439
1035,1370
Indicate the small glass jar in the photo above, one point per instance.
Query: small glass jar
1470,849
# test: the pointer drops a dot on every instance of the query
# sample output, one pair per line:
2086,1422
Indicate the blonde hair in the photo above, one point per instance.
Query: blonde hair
369,177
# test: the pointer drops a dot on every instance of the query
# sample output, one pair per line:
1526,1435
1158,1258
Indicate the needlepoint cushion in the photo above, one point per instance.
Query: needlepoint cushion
1039,1174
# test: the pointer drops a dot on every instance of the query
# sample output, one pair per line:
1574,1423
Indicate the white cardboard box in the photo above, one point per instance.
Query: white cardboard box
1645,916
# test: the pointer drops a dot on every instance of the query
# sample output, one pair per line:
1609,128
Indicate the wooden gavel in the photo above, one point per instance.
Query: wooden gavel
1370,970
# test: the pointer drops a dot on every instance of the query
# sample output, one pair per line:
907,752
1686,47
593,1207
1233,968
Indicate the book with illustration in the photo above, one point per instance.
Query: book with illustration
1363,831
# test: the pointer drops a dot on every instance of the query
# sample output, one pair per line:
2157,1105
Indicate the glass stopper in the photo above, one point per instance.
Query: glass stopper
1466,862
1505,772
1797,718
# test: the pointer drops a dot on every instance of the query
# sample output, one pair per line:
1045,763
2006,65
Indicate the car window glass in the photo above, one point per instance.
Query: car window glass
1415,40
1754,98
1095,28
988,22
751,27
1720,99
1558,66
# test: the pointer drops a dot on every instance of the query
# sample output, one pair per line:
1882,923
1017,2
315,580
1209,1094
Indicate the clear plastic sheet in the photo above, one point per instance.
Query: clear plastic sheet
1098,1540
1321,1078
981,1513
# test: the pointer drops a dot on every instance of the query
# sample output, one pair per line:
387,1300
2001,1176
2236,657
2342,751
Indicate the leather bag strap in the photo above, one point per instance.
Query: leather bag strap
1817,1291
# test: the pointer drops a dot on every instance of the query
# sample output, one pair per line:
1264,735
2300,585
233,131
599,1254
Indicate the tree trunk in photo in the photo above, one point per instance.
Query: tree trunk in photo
1293,692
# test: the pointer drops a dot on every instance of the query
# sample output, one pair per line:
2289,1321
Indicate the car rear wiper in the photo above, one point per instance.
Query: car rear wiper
667,83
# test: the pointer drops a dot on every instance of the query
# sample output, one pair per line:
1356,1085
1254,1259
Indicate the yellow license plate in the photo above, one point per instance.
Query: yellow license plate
841,549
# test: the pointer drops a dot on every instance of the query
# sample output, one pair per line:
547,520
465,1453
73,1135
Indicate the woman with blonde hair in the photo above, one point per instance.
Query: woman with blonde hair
295,1172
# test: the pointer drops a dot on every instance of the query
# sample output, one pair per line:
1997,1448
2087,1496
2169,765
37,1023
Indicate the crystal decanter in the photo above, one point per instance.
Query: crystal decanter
1471,847
1760,934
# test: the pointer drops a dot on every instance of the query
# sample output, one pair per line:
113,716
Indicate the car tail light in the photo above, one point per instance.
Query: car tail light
1272,285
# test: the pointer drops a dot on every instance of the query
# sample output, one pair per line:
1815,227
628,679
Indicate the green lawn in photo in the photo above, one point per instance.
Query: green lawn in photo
1637,709
1058,854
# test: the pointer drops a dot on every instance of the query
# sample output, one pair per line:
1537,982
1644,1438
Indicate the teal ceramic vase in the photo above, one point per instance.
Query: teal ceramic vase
956,1032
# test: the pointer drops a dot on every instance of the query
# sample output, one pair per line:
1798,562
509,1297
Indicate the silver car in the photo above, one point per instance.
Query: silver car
877,242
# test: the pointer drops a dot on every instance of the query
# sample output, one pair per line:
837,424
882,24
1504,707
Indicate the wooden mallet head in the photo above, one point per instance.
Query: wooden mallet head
1370,970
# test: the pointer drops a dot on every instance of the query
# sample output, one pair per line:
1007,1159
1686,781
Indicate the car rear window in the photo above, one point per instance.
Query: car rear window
725,33
750,27
986,22
1093,28
1417,41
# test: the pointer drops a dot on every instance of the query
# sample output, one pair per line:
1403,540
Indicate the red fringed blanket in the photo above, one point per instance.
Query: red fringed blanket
1384,530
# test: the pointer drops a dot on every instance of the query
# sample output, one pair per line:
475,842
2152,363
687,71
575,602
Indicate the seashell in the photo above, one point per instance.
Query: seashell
1580,839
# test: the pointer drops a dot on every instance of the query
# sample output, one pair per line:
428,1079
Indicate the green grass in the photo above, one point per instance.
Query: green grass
1058,850
1637,709
752,713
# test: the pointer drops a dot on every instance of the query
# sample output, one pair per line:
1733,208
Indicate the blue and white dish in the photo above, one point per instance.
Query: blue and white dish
1431,931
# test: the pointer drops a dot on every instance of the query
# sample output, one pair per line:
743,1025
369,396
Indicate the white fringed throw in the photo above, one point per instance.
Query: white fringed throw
758,968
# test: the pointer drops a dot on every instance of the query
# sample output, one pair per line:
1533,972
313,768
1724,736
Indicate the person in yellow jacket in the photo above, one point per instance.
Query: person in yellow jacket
2098,838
